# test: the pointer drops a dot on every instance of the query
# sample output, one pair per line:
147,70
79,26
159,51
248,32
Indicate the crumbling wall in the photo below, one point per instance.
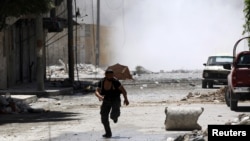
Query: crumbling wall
57,46
17,54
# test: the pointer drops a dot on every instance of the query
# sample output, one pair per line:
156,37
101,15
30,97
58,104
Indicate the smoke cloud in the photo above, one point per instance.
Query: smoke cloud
171,34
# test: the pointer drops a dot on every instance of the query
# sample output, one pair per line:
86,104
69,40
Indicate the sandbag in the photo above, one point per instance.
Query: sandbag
182,118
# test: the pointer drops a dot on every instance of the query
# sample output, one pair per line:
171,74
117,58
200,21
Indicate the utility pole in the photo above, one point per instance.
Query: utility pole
70,42
97,50
39,53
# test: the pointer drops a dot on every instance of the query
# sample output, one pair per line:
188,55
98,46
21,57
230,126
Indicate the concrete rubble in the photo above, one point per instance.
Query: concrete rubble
195,135
201,135
217,96
9,105
84,70
242,119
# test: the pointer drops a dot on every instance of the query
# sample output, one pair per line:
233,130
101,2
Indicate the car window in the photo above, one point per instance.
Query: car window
219,60
244,60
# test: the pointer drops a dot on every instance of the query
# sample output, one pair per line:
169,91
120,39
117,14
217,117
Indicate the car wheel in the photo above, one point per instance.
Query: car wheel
204,84
210,84
233,103
227,96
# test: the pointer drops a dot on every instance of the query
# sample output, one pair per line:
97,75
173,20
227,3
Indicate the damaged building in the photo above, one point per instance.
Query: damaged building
18,45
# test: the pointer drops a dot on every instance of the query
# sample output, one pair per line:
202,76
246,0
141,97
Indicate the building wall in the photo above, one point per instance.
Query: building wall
80,44
90,45
18,50
3,66
61,10
17,54
24,47
84,42
57,46
105,47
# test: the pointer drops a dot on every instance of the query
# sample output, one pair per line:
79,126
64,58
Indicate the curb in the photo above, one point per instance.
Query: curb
30,96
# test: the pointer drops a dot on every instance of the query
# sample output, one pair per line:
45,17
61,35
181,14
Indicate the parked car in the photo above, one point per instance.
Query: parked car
238,87
214,73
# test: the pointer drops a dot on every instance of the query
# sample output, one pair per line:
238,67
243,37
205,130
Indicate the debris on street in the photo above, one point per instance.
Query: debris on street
84,71
201,135
150,94
9,105
195,135
242,119
217,96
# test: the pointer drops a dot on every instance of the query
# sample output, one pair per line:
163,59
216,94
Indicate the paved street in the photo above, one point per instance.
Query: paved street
76,117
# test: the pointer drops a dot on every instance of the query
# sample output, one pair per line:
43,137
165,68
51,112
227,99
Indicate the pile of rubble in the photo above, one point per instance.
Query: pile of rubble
199,135
9,105
217,96
242,119
84,70
195,135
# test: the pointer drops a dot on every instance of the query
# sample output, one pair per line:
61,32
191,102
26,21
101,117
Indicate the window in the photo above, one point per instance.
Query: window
244,60
219,60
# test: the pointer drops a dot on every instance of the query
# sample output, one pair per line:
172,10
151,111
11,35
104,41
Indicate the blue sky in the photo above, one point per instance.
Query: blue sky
169,34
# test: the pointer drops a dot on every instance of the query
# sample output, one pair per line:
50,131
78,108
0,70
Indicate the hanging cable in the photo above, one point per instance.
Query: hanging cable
77,72
47,65
52,37
93,28
94,35
56,39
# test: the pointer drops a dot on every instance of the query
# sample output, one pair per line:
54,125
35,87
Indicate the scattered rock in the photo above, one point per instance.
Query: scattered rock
196,135
199,135
9,105
216,97
242,119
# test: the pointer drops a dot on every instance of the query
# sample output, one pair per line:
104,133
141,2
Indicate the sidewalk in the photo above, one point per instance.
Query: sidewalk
29,93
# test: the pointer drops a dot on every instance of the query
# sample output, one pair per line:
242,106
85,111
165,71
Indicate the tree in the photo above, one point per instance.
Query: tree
17,8
246,26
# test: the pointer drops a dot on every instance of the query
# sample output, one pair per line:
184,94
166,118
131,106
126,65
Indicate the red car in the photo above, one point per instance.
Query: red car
238,87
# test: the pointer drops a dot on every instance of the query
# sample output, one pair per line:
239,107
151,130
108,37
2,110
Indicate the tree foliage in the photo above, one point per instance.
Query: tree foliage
247,17
18,8
22,7
246,26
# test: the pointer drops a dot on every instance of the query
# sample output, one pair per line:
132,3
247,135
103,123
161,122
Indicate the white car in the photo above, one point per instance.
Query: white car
214,73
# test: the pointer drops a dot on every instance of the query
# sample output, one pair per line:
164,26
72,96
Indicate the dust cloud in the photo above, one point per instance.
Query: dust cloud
171,34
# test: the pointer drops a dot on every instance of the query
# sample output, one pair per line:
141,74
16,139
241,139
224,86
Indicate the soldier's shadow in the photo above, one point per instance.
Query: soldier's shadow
52,116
